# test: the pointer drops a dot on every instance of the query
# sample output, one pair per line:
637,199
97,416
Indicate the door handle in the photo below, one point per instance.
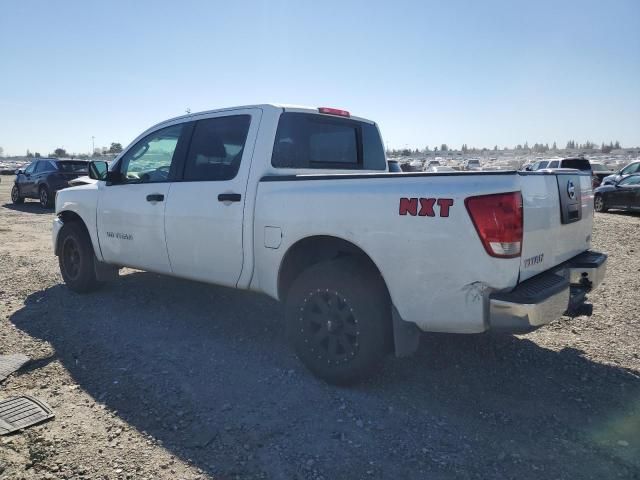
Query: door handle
229,197
155,197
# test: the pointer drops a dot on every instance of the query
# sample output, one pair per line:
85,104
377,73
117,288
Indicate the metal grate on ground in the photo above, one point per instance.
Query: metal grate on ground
21,412
11,363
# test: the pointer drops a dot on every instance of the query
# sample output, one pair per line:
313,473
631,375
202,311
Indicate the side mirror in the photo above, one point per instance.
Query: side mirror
19,171
98,170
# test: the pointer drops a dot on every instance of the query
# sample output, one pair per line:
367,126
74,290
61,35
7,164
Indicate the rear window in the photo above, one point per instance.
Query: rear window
577,163
72,166
316,141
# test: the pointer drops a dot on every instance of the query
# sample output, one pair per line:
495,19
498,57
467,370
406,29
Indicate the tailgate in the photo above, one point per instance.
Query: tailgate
558,218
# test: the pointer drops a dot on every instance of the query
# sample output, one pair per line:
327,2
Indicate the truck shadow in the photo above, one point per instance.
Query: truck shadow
207,371
29,207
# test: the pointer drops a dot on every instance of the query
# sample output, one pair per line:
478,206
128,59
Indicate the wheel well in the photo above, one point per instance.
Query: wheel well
68,217
313,250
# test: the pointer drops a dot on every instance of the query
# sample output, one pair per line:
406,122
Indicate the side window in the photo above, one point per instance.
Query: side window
31,167
149,160
553,164
316,141
45,166
216,149
542,165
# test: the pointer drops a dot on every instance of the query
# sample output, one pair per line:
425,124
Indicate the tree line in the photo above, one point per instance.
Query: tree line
60,152
535,148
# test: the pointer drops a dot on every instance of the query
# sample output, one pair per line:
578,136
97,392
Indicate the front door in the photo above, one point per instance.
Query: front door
205,211
26,180
131,209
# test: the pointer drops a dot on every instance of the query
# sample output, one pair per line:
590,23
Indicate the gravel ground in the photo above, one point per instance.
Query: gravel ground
155,377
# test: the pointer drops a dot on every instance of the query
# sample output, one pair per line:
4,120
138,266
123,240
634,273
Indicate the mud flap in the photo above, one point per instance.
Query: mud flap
104,271
406,335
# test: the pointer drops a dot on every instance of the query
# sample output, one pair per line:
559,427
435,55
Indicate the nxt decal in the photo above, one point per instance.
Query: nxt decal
425,207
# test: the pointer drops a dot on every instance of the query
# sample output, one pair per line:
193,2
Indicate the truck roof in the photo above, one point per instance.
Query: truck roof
264,106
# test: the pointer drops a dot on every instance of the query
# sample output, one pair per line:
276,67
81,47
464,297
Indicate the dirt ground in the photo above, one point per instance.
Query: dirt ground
155,377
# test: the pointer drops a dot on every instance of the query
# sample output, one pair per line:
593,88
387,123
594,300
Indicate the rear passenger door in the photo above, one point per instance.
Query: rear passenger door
205,209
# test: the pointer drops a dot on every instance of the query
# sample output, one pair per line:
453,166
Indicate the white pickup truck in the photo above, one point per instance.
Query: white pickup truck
297,203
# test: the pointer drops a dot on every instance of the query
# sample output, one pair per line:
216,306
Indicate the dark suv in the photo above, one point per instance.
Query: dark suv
44,177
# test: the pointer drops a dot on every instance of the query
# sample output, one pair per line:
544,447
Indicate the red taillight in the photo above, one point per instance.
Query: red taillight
498,221
334,111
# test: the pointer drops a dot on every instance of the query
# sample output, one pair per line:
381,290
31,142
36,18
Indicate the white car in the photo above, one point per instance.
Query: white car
472,164
297,203
439,169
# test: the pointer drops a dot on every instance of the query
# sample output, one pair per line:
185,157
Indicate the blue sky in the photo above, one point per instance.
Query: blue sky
475,72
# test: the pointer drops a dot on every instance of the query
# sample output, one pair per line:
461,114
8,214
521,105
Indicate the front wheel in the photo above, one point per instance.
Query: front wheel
598,204
76,258
16,199
339,320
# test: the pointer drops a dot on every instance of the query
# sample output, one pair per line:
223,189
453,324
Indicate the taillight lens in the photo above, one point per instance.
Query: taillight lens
498,221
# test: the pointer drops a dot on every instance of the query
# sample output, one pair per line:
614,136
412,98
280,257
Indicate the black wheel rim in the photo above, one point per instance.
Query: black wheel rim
14,194
44,197
329,327
71,258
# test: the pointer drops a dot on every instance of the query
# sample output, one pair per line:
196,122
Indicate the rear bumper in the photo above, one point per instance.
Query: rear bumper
546,297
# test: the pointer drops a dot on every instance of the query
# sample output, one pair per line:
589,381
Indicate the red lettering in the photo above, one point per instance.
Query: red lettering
409,205
426,207
445,204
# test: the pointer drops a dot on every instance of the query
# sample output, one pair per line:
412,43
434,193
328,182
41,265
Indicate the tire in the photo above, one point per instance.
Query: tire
45,197
599,205
16,199
76,258
338,319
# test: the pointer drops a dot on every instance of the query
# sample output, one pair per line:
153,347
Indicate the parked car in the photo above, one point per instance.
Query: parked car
431,163
439,169
413,165
471,164
298,203
394,166
578,163
633,167
599,171
42,178
624,195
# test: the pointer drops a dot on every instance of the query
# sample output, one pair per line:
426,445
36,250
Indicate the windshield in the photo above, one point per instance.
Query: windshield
69,167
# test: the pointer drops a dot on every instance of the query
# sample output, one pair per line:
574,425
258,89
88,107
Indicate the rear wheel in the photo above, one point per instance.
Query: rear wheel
15,195
339,320
45,197
599,205
76,258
